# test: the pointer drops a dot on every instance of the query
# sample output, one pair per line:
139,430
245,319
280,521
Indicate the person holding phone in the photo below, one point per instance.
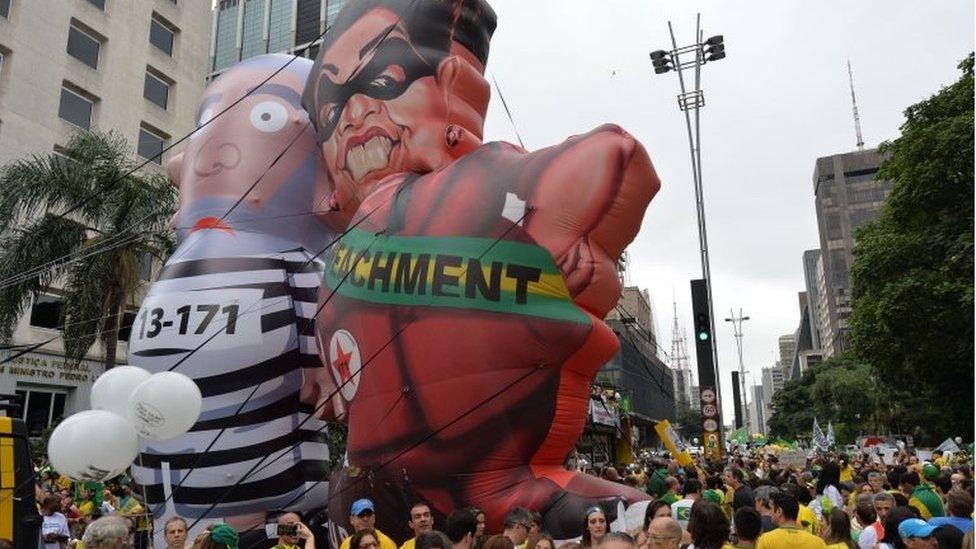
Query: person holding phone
292,533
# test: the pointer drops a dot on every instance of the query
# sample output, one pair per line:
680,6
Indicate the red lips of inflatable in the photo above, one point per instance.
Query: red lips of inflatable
211,222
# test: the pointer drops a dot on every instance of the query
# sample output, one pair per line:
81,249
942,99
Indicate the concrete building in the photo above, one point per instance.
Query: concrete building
772,381
787,348
757,410
810,258
133,66
847,195
634,306
245,28
804,350
827,338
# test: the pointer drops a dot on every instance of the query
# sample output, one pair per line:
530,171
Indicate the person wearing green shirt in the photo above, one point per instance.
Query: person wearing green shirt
921,496
671,490
655,482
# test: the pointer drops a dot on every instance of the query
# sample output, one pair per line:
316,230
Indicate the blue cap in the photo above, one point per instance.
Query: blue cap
915,528
361,505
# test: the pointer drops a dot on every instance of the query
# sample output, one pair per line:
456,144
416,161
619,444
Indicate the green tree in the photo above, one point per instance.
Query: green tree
792,408
912,274
688,421
839,390
845,393
89,208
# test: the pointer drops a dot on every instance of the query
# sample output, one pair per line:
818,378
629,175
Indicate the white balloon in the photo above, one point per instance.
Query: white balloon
165,406
112,389
94,445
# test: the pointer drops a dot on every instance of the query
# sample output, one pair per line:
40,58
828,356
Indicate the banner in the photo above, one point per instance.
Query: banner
602,414
948,445
670,438
793,459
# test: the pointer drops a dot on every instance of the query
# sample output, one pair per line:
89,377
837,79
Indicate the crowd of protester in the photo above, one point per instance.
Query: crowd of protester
745,501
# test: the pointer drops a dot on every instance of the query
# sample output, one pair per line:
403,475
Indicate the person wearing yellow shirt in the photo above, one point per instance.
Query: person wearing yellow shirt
292,532
806,518
362,516
846,471
421,520
787,534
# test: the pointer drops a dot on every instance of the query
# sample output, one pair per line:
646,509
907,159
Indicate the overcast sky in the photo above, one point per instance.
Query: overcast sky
776,103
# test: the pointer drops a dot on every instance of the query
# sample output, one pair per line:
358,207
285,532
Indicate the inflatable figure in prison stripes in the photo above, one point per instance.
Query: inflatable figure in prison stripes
234,306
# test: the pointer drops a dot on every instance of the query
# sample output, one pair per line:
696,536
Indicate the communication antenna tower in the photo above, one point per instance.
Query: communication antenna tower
857,119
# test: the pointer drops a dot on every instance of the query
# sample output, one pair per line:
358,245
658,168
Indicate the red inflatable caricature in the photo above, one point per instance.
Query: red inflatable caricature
462,312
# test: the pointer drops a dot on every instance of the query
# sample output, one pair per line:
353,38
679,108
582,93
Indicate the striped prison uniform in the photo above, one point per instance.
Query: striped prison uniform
250,376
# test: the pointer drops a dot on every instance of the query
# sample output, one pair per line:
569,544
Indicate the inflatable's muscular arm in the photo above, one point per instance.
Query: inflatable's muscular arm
588,196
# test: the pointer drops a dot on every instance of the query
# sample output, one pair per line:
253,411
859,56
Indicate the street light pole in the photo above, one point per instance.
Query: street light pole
737,332
690,102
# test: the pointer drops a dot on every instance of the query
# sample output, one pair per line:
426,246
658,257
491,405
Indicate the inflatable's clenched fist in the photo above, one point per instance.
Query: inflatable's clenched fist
461,314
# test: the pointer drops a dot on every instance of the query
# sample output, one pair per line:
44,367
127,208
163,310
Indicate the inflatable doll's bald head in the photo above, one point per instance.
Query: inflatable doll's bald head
398,86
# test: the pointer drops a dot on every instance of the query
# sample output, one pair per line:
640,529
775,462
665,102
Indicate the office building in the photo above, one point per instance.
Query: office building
245,28
772,382
757,413
847,195
133,66
810,259
787,348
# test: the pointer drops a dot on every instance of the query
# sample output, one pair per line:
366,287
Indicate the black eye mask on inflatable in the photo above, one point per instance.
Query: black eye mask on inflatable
371,81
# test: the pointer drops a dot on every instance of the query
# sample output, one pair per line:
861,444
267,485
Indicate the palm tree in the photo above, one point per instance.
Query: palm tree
83,221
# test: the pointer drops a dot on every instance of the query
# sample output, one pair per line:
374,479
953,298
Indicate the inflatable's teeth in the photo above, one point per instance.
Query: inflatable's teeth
372,155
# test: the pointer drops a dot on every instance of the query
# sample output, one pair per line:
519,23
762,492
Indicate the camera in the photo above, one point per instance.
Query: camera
287,530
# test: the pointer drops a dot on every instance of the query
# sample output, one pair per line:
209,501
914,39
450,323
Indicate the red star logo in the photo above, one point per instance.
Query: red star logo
341,362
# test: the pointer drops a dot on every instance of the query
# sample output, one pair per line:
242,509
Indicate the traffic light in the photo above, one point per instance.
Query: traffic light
715,48
703,332
661,61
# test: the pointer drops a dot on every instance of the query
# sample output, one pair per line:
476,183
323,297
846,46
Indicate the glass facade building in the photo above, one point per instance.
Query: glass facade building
245,28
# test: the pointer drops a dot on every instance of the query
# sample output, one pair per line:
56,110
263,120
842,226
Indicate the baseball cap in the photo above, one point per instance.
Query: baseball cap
361,505
929,471
224,534
915,528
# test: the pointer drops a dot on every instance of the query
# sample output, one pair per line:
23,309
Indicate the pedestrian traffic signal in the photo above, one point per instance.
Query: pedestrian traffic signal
661,61
715,48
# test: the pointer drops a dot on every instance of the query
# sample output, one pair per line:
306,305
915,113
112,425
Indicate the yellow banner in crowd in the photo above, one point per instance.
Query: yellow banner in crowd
668,437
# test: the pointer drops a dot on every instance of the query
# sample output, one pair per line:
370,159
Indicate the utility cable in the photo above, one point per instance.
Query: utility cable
507,111
159,155
254,470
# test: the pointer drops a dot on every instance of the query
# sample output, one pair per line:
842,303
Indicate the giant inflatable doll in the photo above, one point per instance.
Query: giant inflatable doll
462,311
233,308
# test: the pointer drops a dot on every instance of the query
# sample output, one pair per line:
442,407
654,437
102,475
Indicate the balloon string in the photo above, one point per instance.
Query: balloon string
359,257
507,111
254,470
667,392
392,338
434,433
162,505
159,155
254,391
